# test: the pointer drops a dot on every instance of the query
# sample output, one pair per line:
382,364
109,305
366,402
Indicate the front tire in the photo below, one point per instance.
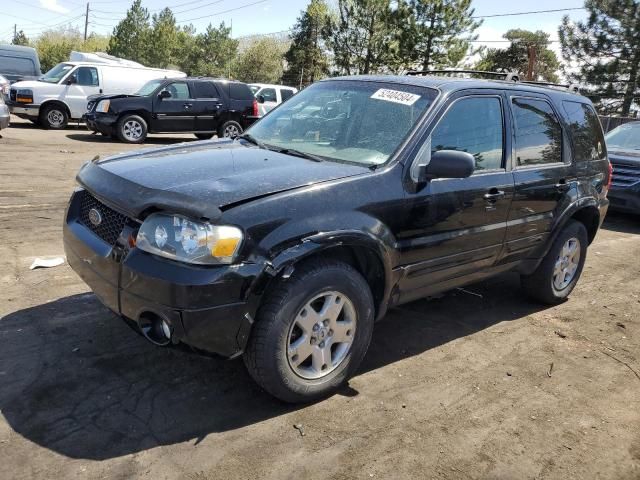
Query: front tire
312,332
132,129
230,129
558,273
54,117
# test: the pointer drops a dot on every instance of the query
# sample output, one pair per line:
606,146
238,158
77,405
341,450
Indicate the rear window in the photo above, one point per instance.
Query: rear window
240,91
286,94
205,90
17,66
587,132
538,133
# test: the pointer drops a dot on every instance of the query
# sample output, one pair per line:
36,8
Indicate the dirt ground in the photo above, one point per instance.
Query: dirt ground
462,386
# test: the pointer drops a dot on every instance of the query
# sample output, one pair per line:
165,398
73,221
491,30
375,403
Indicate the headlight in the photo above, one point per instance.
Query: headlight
103,106
24,96
185,240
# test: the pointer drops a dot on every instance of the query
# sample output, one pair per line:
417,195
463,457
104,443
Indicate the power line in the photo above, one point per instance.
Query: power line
533,12
223,12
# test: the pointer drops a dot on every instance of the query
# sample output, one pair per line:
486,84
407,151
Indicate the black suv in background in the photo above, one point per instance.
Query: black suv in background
623,144
203,106
285,244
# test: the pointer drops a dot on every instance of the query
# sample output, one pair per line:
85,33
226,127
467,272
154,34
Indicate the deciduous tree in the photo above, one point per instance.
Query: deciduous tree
131,37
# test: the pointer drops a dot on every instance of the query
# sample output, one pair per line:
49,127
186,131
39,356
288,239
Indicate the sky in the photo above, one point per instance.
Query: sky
256,16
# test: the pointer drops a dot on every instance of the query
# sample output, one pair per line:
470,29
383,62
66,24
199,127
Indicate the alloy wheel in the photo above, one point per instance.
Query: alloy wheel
566,264
321,335
132,130
55,118
231,131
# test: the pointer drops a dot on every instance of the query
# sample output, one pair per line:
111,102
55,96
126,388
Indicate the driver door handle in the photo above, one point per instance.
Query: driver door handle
493,195
562,186
187,106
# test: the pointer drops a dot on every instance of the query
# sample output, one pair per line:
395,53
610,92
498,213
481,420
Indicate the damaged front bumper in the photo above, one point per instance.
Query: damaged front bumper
207,307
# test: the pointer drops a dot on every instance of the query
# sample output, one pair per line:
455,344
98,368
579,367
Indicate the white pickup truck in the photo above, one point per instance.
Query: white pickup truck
61,94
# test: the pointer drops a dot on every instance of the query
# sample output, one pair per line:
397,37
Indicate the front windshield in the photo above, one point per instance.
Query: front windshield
350,121
56,73
149,87
254,88
625,136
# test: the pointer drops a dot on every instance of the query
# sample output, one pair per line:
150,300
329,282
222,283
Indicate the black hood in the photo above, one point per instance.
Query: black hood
100,96
201,178
629,155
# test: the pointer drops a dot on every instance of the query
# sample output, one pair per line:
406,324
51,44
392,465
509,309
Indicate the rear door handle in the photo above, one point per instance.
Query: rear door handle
562,186
187,106
493,195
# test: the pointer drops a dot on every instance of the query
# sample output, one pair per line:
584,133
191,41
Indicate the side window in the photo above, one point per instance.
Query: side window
17,65
205,90
269,94
178,91
538,133
587,132
472,125
285,93
87,76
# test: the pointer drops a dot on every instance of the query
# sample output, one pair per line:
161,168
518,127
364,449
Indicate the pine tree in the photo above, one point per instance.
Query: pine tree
213,52
306,57
362,37
164,40
20,39
260,62
131,36
439,32
605,48
528,54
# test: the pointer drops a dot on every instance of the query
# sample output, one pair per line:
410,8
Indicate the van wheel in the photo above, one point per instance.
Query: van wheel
557,275
312,332
54,117
230,129
203,136
132,129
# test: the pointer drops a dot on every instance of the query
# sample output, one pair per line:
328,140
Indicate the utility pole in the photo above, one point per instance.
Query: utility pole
301,74
532,62
86,22
15,30
230,37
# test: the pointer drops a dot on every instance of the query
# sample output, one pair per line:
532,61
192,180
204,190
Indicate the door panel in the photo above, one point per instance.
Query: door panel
456,227
86,82
543,180
207,105
174,114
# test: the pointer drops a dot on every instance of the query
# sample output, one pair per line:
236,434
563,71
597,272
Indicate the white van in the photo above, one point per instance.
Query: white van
61,94
270,96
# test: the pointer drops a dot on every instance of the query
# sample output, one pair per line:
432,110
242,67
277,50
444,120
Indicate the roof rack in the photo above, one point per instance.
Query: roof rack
507,76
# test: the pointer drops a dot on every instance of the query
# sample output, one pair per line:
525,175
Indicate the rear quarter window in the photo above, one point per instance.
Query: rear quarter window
584,124
240,91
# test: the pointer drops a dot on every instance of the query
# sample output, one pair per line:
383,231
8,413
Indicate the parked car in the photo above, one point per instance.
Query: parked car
203,106
5,116
61,94
285,244
19,63
623,143
270,96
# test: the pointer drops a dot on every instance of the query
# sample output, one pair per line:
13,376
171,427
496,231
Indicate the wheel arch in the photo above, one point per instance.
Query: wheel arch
145,115
57,102
367,254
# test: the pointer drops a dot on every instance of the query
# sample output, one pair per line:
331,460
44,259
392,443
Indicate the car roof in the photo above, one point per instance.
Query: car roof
450,84
17,48
271,85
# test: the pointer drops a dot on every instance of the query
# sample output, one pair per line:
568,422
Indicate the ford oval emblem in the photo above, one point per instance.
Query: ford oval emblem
95,217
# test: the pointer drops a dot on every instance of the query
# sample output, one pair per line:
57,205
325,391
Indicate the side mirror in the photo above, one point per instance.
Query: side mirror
164,94
260,98
448,164
71,80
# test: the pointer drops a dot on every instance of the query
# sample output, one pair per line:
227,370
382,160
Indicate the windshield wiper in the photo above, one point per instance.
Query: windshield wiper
251,139
296,153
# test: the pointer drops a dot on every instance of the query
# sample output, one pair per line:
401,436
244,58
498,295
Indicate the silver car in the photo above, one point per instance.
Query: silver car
4,114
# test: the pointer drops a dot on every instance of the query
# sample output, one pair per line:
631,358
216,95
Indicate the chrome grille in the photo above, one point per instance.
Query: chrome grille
90,106
112,222
625,174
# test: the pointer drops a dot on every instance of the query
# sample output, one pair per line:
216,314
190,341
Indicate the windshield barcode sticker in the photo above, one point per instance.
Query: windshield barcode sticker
396,96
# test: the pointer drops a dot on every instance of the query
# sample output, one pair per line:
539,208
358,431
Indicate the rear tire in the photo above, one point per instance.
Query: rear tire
132,129
230,129
312,332
203,136
54,117
556,276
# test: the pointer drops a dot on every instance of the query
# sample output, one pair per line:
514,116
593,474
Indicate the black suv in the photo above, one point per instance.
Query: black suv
285,244
204,106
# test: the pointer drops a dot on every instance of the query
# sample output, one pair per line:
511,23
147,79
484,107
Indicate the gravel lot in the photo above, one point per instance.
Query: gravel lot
454,387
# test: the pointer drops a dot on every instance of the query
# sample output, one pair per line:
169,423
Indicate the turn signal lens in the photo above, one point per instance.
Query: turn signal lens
225,247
